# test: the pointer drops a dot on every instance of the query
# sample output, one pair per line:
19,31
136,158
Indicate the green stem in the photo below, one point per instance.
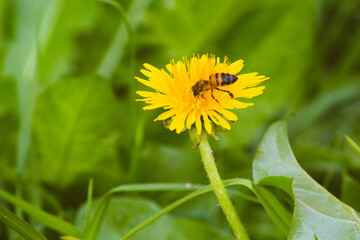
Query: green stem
220,191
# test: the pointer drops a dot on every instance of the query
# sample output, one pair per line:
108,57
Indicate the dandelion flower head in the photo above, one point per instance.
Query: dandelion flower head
173,92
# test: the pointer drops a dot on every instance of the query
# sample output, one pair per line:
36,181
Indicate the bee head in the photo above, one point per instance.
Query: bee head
195,92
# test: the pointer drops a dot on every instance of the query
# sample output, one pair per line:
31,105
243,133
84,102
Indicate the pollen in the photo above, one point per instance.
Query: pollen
173,90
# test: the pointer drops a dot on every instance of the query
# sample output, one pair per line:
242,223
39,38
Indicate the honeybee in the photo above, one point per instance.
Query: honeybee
215,80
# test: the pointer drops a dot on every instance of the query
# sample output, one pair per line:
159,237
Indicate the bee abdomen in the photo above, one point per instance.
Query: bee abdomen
227,79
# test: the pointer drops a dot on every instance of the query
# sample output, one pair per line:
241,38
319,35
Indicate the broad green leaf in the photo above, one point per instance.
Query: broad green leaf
316,211
278,214
19,225
75,132
123,213
47,219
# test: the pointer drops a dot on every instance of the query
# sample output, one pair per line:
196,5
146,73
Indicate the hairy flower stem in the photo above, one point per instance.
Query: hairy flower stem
219,189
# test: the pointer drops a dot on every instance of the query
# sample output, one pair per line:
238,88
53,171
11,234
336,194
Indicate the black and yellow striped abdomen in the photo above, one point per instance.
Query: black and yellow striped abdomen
222,79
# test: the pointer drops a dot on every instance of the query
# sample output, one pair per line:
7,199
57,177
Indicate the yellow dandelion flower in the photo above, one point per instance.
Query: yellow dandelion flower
175,92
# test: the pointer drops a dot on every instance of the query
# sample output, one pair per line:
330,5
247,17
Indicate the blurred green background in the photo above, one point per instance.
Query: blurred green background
68,110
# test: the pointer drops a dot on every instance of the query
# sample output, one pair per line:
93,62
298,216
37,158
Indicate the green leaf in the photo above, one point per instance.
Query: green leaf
123,213
316,211
47,219
92,229
19,225
279,215
76,131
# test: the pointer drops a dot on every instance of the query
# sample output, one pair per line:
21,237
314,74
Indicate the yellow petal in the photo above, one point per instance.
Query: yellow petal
151,68
207,124
236,67
154,106
158,79
229,115
251,92
211,115
198,123
146,94
248,80
146,72
173,92
191,119
222,121
145,82
233,103
167,114
178,122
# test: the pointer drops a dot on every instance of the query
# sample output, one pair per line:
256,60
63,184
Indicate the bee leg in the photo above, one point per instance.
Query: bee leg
230,94
213,96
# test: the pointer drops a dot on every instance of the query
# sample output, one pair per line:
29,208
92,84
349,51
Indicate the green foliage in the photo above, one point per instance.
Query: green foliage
68,132
50,220
317,213
68,114
123,213
19,225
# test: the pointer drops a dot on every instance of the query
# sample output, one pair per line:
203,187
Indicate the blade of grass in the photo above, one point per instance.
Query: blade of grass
156,187
92,230
139,135
89,201
276,211
111,59
18,225
280,216
131,37
125,32
47,219
167,209
352,144
25,72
